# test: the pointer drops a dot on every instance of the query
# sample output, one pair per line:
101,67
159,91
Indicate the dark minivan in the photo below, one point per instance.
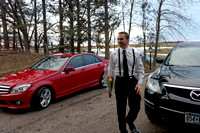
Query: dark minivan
172,92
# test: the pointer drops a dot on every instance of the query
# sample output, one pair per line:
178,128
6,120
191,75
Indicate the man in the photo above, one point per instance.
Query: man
123,65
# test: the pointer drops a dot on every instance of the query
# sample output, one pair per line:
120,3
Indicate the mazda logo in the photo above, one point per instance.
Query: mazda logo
195,95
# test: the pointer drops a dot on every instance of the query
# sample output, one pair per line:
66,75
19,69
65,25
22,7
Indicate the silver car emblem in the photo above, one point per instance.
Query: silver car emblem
195,95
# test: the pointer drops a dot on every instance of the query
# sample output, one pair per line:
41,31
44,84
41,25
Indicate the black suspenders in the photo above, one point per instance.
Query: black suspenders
120,64
133,61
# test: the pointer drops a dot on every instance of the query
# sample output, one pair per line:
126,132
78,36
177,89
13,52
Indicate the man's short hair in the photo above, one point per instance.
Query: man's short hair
126,34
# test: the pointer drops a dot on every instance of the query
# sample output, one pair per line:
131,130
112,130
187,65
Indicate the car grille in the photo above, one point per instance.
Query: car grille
3,102
180,99
181,91
4,89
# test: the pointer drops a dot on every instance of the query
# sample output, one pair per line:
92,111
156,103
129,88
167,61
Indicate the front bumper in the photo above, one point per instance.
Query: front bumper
164,113
15,101
169,108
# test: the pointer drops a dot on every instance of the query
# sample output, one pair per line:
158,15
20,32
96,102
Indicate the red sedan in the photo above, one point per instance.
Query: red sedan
51,78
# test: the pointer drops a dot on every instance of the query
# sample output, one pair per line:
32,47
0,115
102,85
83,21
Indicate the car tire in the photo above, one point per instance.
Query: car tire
102,81
42,98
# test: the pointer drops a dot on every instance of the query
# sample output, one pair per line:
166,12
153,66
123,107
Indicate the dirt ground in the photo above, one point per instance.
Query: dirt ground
88,111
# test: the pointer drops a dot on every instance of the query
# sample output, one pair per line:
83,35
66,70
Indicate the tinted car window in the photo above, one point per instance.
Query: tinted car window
76,62
184,56
52,63
89,59
97,59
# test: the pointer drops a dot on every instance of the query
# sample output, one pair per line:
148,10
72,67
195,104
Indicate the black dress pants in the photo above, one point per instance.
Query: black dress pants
125,91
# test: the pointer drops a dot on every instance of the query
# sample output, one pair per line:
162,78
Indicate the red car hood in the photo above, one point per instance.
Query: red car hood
24,77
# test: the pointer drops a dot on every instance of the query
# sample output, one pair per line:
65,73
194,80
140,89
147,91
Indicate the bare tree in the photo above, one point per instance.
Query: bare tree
14,38
106,30
61,49
123,17
78,26
144,26
45,44
158,20
18,12
89,26
35,27
71,22
5,31
131,15
0,33
170,20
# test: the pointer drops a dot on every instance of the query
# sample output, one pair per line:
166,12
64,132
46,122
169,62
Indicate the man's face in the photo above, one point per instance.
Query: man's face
122,41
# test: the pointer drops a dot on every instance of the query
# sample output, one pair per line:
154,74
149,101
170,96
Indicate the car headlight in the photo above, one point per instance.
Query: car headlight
20,88
153,85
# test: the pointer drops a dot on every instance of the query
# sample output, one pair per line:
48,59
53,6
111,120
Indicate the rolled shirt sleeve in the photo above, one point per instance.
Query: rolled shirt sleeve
139,67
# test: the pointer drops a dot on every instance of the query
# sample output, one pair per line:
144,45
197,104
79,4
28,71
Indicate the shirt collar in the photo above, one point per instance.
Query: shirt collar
121,49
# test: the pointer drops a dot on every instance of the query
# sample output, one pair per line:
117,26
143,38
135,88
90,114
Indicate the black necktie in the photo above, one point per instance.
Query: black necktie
125,66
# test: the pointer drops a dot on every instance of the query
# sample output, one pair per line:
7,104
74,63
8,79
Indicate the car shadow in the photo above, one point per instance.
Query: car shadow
15,111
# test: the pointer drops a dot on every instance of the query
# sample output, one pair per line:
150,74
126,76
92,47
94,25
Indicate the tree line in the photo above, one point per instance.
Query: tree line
80,21
73,22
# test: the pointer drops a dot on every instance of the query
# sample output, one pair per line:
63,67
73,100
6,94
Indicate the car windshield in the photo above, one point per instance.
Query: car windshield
184,56
52,63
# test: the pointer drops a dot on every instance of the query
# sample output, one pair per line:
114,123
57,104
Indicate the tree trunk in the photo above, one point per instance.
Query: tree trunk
35,19
107,54
22,21
131,14
144,27
71,9
5,31
79,27
45,26
26,40
14,39
123,18
157,31
20,40
89,27
61,48
0,40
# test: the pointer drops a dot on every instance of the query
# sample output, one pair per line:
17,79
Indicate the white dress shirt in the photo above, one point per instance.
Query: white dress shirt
113,68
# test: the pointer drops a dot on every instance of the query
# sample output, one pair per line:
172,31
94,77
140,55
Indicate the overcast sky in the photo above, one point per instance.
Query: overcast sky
191,10
194,10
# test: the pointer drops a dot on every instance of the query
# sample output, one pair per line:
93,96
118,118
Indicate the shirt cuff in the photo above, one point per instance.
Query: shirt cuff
140,81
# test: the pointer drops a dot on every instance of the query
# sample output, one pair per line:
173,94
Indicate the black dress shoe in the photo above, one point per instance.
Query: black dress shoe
131,126
135,131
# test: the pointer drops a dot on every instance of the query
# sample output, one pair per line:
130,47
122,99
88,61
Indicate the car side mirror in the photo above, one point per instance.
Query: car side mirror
68,69
159,60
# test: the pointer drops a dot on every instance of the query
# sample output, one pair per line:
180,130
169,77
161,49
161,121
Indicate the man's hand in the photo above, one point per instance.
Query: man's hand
138,89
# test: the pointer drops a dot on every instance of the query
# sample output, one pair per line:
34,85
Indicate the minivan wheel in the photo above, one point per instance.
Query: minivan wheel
42,98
